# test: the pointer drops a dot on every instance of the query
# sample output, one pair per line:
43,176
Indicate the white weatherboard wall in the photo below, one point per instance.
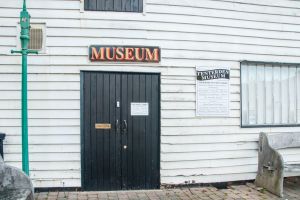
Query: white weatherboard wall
190,33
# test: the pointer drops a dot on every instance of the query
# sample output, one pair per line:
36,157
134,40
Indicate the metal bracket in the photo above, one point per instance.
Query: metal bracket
269,167
29,51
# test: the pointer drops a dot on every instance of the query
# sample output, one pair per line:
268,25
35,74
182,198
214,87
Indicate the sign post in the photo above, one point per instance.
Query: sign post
24,37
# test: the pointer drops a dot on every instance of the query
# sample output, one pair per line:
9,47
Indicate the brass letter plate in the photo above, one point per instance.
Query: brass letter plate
102,126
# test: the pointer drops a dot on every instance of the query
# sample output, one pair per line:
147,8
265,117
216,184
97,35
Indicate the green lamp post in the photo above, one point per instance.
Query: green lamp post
24,37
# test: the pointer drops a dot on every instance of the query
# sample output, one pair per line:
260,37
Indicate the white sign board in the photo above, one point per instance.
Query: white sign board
212,95
139,109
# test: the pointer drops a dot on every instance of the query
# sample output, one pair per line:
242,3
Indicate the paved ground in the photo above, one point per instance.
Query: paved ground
240,192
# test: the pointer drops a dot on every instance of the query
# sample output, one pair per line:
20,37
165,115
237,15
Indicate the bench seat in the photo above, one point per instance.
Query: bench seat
292,168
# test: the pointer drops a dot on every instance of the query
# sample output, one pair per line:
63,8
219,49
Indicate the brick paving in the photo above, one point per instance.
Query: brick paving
238,192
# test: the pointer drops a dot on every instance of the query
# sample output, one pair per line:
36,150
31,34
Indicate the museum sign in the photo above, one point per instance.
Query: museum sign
99,53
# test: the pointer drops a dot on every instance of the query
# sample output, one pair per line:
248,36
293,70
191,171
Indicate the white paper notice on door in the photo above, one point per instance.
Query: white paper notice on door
139,108
212,93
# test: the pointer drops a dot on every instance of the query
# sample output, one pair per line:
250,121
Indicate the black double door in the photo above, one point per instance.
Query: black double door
120,130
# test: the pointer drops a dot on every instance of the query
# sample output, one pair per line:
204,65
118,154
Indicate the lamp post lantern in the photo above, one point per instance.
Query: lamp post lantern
24,37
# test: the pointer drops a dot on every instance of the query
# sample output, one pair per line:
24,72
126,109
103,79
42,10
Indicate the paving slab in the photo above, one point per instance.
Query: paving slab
235,192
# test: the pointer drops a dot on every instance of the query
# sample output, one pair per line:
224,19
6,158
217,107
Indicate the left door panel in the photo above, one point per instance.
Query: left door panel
101,147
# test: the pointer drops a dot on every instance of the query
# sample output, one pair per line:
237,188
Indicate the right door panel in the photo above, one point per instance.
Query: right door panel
140,129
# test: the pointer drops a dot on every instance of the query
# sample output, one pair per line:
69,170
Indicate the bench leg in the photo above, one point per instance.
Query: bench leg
270,180
270,168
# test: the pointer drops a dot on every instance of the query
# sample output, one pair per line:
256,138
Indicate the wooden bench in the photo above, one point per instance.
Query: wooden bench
272,167
14,184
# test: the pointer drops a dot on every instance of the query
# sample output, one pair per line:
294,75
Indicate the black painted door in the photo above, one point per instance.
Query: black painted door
120,130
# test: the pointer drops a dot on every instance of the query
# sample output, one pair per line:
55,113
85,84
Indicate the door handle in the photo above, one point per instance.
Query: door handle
124,126
117,125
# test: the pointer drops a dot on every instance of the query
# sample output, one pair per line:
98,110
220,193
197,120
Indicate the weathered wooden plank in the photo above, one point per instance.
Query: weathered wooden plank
46,139
51,166
42,114
66,182
207,179
192,12
188,114
39,95
282,7
209,163
210,171
40,77
40,122
40,157
227,129
55,130
201,44
45,86
207,36
202,139
172,148
229,6
41,104
59,174
44,148
36,4
168,157
198,122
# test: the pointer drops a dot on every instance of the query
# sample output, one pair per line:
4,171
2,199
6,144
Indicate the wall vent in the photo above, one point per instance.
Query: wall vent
36,38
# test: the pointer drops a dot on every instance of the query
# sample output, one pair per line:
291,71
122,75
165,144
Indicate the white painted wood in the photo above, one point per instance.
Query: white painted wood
210,171
269,94
54,104
41,77
66,182
46,130
43,139
245,95
52,166
277,95
183,156
252,94
260,95
45,157
167,147
200,139
40,122
56,86
190,33
298,94
47,148
173,114
227,129
208,163
284,95
292,110
41,95
41,114
207,178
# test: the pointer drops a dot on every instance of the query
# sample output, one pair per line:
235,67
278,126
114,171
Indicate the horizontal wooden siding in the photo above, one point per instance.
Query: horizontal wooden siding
190,33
